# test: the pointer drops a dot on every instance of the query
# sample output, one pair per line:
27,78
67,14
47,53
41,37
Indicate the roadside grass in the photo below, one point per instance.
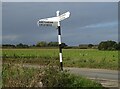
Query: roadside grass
89,58
19,76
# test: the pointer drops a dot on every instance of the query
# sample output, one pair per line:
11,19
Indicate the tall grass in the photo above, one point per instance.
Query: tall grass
19,76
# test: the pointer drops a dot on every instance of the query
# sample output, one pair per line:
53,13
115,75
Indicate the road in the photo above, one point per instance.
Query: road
108,78
95,73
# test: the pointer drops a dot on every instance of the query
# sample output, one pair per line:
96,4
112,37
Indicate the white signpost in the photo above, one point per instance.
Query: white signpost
55,22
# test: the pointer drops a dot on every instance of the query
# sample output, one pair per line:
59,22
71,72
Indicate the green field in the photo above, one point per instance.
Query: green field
89,58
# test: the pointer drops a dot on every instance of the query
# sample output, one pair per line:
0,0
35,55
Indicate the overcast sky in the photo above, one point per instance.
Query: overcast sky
90,22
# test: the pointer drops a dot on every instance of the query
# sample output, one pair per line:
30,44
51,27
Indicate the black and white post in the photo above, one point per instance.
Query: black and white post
55,22
59,41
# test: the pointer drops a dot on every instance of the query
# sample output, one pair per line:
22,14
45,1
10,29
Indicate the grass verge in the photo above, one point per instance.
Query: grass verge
19,76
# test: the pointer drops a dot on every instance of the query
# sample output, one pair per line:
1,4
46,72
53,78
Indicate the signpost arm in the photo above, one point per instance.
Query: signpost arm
59,41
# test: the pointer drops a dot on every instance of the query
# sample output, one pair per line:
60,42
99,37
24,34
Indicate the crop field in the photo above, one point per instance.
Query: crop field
89,58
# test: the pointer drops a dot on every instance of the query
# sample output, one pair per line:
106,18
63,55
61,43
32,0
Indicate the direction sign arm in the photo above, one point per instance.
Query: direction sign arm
64,16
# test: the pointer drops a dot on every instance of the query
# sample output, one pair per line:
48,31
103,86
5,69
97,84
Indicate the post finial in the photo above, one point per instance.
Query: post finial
57,13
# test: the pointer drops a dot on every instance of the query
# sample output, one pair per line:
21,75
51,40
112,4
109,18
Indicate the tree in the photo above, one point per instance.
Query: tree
53,44
41,44
22,45
117,46
107,45
102,46
8,46
90,45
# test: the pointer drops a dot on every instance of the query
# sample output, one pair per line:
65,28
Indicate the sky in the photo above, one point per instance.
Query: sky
90,22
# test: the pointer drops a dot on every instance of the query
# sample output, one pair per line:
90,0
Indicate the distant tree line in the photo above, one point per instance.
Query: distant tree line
88,46
104,45
38,44
20,45
109,45
50,44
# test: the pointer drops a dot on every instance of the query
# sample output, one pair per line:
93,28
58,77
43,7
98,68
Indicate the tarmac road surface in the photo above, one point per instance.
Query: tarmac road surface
108,78
95,73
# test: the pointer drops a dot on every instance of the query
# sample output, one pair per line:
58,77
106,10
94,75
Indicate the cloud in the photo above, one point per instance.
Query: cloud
10,37
101,25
